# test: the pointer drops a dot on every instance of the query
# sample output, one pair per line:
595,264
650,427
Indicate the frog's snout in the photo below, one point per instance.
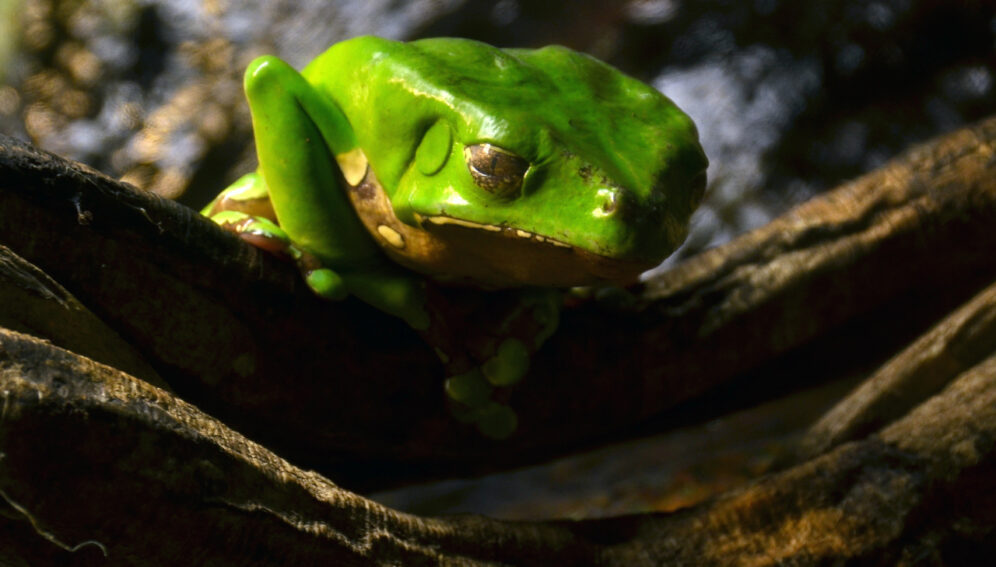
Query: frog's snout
640,225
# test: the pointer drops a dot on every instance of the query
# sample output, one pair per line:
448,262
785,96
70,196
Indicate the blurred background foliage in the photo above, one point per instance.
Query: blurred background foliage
790,97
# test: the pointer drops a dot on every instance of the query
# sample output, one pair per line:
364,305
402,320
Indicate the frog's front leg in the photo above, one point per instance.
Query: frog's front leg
300,136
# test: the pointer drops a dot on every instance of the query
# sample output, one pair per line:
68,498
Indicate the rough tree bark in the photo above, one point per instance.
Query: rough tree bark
849,276
97,464
235,332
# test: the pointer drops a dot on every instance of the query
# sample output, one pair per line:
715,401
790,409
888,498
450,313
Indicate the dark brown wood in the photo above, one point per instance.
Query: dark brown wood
960,341
228,327
100,468
911,240
338,386
920,492
33,303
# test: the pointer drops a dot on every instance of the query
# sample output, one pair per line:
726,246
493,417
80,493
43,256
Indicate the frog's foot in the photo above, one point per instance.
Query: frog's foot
487,350
474,395
471,400
261,232
266,235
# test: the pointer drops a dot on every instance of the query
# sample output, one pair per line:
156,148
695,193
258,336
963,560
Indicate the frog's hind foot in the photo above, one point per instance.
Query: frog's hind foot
260,232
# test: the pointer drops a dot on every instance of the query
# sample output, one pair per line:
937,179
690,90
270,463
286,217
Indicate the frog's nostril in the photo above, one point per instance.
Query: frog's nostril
607,202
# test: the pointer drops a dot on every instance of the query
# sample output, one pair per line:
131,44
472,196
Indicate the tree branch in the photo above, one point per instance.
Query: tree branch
343,388
153,481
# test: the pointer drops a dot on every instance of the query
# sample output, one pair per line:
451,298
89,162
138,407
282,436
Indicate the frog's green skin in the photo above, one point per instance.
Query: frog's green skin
467,164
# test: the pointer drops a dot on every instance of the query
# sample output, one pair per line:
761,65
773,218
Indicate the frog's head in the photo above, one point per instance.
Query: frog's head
540,167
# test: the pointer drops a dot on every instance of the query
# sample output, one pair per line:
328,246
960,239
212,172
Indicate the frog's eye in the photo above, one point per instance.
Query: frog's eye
495,170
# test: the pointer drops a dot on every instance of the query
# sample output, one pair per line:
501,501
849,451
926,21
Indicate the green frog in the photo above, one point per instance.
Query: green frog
387,168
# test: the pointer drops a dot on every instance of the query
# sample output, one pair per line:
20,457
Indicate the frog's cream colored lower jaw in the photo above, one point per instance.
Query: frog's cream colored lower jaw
508,257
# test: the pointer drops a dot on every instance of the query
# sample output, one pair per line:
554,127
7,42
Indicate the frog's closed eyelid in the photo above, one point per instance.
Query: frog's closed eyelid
434,149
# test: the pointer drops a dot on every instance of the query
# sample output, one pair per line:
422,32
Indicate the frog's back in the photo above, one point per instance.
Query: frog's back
531,96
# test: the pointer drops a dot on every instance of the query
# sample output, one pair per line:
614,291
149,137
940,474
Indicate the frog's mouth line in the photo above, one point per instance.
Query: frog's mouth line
516,232
527,259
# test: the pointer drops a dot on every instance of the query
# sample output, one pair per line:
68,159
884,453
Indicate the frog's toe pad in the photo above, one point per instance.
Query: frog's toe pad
508,365
326,284
496,421
469,389
257,231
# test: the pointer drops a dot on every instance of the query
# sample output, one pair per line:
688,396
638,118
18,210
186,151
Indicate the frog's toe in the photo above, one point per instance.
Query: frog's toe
469,389
257,231
326,283
508,365
394,293
496,421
